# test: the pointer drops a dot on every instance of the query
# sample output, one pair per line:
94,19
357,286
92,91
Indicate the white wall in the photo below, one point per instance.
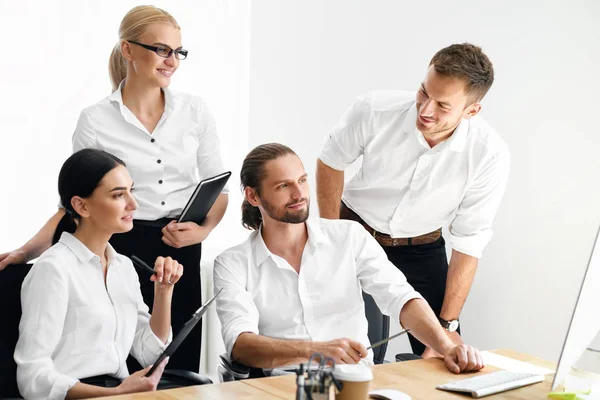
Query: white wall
310,58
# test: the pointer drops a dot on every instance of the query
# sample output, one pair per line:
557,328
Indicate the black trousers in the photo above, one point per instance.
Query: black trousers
144,241
426,268
108,381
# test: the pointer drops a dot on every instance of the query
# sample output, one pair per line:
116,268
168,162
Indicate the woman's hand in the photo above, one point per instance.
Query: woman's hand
17,256
184,234
167,272
139,382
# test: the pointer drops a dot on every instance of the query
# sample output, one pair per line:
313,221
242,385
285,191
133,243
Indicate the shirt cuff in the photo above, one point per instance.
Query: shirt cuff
61,386
472,245
233,334
329,156
153,344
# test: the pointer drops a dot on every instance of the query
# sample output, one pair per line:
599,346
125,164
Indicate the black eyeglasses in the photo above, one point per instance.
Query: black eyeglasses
164,51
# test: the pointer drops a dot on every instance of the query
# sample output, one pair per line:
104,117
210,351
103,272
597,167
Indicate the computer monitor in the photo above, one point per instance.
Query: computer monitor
585,322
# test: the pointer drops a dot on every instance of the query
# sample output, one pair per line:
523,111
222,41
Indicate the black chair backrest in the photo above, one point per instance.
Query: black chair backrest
379,327
11,279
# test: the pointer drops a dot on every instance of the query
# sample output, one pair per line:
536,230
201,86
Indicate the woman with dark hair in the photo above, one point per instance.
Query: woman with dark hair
168,140
85,297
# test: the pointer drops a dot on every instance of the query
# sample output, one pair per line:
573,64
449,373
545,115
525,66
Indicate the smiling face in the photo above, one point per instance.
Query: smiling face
146,64
110,207
284,192
442,103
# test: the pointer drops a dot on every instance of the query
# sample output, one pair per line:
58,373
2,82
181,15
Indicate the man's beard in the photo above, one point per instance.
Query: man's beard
286,215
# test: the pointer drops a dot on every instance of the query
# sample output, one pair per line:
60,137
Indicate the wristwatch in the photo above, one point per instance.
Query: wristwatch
450,326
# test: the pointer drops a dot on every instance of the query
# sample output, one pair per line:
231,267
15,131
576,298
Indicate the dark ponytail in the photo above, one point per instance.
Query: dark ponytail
79,176
251,217
66,224
252,174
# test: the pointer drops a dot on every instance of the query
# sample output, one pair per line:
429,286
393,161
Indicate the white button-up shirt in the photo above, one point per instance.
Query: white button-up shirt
166,165
74,327
404,187
264,295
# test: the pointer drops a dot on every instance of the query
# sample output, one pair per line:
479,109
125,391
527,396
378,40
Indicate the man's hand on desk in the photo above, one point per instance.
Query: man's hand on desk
430,353
463,358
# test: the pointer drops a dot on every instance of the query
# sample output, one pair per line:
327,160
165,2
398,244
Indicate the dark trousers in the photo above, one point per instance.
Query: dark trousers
108,381
144,241
426,268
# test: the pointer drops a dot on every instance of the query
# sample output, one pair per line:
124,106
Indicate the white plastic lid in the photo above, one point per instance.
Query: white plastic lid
353,373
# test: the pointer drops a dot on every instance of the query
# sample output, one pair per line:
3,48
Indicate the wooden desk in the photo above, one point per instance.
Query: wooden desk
419,378
416,378
218,391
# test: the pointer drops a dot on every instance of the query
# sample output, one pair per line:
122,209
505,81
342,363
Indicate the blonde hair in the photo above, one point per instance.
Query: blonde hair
132,27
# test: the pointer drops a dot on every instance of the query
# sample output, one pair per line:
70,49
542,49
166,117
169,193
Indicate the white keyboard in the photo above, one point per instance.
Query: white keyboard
494,382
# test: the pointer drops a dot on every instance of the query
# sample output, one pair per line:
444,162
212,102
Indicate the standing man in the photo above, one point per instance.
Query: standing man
426,161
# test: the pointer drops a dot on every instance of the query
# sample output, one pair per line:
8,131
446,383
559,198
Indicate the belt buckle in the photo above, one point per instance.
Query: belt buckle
375,234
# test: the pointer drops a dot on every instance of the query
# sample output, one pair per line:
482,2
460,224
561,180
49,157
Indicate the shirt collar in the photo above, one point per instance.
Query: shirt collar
315,237
81,251
456,142
117,96
260,248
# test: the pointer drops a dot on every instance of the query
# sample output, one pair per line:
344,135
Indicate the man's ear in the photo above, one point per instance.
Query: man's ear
80,206
472,110
252,197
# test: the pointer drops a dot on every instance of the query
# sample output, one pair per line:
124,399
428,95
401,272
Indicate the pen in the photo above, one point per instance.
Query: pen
140,264
388,339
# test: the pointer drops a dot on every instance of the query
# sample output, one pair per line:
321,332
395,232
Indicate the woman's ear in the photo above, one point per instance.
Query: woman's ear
80,206
126,50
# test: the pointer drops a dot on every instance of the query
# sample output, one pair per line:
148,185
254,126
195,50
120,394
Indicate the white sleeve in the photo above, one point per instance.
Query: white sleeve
378,276
209,154
348,139
37,376
471,229
235,306
147,347
84,136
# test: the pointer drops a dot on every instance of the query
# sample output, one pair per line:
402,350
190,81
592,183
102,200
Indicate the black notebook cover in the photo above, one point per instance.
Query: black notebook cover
203,198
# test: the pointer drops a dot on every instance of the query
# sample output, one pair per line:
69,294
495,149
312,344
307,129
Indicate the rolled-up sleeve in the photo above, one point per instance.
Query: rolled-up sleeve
235,306
84,136
348,139
37,376
209,154
471,229
147,347
378,276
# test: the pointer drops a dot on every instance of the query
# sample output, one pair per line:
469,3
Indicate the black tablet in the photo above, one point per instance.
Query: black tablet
187,327
203,198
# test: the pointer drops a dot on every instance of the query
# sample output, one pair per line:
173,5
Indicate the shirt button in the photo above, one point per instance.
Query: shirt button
152,140
158,161
162,203
160,182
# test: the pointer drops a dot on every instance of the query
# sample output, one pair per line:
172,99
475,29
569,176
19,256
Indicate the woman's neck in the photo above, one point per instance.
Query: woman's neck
141,99
93,239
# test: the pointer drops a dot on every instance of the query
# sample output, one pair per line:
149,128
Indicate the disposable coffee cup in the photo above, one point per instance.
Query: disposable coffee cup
356,379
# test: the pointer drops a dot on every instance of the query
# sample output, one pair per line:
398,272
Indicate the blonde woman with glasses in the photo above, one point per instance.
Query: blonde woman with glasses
169,142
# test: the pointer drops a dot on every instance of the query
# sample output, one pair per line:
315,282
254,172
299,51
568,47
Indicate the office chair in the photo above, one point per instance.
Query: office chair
379,329
11,279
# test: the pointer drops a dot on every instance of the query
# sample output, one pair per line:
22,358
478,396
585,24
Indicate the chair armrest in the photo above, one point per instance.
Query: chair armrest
407,357
234,368
189,376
